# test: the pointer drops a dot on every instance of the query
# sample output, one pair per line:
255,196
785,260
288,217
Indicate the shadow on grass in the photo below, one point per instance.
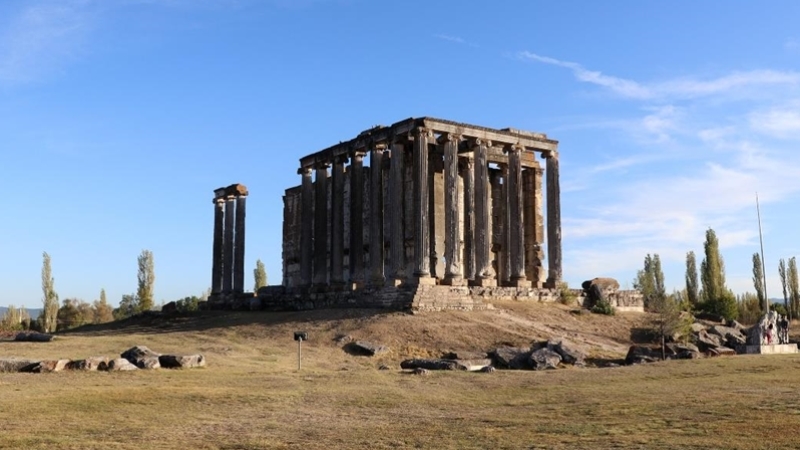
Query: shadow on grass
175,322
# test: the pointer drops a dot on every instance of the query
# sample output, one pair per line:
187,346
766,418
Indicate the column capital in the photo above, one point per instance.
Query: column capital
478,142
320,165
508,148
304,170
378,147
357,154
547,154
450,137
422,132
341,159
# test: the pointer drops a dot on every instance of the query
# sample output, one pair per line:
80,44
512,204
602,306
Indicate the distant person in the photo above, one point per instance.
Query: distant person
784,330
768,334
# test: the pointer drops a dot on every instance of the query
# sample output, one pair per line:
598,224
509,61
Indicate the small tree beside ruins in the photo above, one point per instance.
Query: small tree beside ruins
692,286
260,275
650,280
146,281
49,316
668,321
103,312
758,280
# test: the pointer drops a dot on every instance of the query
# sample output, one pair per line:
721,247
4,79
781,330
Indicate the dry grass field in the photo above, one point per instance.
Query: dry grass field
251,396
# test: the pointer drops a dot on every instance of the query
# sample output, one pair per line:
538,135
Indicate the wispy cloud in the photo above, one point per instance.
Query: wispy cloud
42,38
678,88
449,38
781,122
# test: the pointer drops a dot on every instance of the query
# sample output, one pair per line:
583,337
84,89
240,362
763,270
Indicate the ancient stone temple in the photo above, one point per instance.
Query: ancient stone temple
425,202
227,270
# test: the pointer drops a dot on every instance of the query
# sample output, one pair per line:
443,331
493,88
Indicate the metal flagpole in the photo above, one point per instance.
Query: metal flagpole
763,262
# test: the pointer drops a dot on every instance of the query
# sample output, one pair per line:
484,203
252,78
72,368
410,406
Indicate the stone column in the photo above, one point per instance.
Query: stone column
337,222
219,245
553,220
321,225
306,226
500,208
453,273
228,265
422,274
239,238
515,217
376,251
533,219
484,275
468,175
356,218
396,208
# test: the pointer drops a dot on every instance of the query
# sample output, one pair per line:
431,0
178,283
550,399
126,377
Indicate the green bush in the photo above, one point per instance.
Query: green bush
603,307
565,294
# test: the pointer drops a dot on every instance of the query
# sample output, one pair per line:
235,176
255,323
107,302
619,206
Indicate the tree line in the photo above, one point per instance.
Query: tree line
72,312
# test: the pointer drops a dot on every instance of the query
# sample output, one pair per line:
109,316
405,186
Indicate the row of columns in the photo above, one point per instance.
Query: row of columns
472,262
227,270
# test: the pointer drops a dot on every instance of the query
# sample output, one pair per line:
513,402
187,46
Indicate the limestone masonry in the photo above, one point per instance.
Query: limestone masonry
445,215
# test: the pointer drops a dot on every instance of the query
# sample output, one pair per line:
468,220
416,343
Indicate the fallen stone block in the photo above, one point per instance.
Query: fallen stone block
33,336
511,357
472,365
638,354
90,364
15,364
142,357
429,364
544,359
182,362
120,365
367,348
48,366
569,354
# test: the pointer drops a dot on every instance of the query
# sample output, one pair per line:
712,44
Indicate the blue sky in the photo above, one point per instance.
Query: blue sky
118,118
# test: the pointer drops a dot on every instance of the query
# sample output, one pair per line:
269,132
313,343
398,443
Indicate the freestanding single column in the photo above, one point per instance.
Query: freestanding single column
553,220
337,222
453,274
396,190
228,268
376,251
515,215
468,174
219,243
321,225
357,218
239,238
306,226
484,275
421,195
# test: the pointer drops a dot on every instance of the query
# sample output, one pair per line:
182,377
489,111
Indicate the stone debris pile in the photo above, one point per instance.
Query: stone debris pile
135,358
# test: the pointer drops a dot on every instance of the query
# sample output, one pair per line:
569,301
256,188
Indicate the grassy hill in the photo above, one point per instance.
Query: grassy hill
251,395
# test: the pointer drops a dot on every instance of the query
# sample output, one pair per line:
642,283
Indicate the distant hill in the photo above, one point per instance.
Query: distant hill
34,312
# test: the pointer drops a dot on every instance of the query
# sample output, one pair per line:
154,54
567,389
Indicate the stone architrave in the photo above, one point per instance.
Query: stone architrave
219,243
396,189
376,250
228,265
515,225
239,246
422,137
468,175
452,238
337,221
306,226
356,218
321,225
553,219
484,275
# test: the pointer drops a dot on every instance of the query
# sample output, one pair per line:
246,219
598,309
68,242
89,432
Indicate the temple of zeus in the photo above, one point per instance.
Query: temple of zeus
422,202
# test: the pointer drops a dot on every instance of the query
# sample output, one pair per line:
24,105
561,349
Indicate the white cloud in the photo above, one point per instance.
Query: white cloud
449,38
678,88
779,122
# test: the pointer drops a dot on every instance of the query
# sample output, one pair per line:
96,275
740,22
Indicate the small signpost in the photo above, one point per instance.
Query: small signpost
300,336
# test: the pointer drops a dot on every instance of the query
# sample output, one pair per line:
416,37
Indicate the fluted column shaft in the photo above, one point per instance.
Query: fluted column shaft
396,189
219,245
421,199
376,250
337,222
515,215
306,226
483,264
357,217
452,238
228,266
553,220
321,225
534,225
468,175
239,245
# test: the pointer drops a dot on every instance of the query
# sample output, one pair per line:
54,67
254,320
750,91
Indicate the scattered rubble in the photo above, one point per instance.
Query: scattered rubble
135,358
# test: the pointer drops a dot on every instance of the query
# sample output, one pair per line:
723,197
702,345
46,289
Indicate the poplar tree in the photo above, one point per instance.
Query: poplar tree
50,297
717,298
784,285
260,275
146,279
691,280
758,280
103,312
794,289
650,280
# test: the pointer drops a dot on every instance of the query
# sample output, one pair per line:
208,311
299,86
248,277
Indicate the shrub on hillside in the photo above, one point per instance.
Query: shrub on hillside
603,306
